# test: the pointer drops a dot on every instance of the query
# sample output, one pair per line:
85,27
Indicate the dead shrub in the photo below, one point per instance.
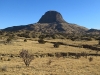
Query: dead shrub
90,59
26,56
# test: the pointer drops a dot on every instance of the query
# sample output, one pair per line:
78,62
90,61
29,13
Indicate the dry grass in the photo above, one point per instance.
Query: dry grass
40,66
61,66
34,47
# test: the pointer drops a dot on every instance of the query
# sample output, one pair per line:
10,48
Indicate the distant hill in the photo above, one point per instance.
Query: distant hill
93,31
50,22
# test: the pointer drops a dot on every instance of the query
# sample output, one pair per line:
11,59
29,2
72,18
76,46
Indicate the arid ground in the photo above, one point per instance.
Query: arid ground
12,64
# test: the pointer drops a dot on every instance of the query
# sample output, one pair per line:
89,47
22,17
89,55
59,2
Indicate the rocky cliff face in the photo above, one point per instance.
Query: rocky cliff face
52,17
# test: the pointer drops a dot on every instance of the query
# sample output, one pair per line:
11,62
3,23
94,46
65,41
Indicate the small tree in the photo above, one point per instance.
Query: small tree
27,58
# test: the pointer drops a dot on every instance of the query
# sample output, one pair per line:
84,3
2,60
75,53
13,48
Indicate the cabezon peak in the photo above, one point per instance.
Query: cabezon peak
52,17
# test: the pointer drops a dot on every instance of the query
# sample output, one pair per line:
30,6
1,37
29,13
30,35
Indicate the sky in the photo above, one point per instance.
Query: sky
22,12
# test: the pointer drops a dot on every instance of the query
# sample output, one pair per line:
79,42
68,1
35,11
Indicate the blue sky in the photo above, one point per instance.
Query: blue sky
22,12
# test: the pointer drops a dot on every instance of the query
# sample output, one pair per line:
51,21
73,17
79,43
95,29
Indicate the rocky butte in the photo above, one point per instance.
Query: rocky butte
52,17
50,22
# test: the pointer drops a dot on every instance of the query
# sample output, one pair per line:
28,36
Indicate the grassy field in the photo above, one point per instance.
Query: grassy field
47,65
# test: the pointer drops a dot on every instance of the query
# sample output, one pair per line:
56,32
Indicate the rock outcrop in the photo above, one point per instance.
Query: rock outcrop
52,17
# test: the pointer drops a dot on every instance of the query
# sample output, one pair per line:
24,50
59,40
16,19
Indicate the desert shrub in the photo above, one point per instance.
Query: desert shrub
54,37
97,38
84,54
99,42
42,36
9,59
58,55
25,40
78,55
8,40
86,38
61,43
41,41
11,55
26,56
49,62
56,45
4,68
26,35
90,59
73,38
